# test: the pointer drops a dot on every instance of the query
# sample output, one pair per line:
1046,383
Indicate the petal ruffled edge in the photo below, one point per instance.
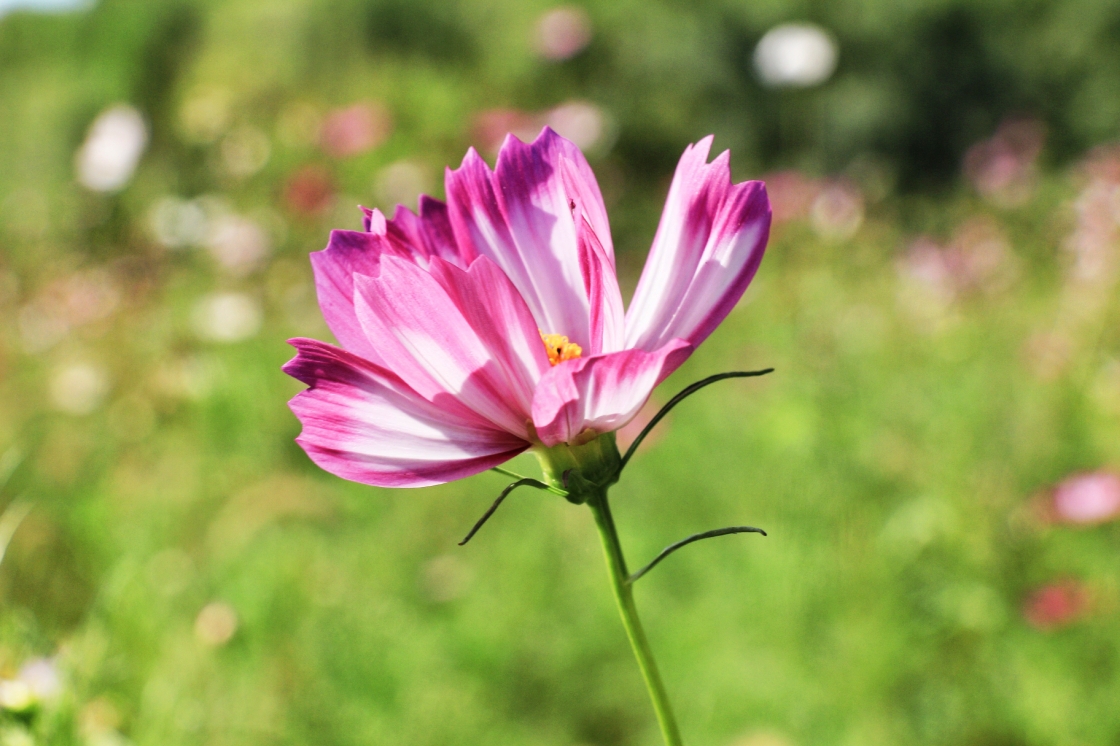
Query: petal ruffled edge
708,246
362,423
600,393
526,215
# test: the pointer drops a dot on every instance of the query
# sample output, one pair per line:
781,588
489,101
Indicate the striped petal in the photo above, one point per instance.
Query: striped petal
708,246
601,393
362,423
466,333
525,215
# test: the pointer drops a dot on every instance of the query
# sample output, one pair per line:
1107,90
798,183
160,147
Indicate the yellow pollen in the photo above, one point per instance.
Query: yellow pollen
559,348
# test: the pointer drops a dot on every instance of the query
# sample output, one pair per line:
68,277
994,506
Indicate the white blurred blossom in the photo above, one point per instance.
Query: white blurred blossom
79,388
563,32
238,244
582,122
401,183
15,695
112,148
42,677
245,151
795,55
177,223
226,317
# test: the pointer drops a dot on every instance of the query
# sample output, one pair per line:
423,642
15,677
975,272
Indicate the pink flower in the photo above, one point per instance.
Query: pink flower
1087,498
494,323
1056,605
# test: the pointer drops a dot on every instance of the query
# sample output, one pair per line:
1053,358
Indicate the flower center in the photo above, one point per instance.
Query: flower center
559,348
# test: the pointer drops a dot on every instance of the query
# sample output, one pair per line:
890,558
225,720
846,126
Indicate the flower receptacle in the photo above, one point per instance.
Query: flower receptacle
581,469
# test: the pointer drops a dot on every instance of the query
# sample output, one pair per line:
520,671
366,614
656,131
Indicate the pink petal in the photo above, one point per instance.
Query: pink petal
362,423
348,253
708,246
607,320
461,332
524,216
428,234
600,393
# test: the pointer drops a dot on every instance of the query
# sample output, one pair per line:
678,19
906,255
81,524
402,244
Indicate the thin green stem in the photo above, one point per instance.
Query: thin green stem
624,595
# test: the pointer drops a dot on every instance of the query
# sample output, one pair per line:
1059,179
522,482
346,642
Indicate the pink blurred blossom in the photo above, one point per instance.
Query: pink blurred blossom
837,210
563,32
66,303
310,191
792,193
977,258
582,122
1003,168
354,130
1086,499
1056,605
1095,240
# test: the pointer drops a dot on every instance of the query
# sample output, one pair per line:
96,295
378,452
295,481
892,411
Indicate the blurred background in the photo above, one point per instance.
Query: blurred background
937,457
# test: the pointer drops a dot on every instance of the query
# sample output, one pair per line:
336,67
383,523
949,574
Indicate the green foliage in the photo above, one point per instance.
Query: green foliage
197,580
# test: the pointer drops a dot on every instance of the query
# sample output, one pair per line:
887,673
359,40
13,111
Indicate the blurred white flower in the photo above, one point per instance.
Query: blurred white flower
245,151
795,55
238,244
113,147
79,388
216,624
42,678
563,32
15,695
178,223
226,317
582,122
401,183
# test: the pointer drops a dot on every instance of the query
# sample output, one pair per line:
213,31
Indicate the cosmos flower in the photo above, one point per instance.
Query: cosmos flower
492,324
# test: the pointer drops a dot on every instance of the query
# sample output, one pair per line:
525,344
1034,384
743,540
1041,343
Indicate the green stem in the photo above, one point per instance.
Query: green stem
624,595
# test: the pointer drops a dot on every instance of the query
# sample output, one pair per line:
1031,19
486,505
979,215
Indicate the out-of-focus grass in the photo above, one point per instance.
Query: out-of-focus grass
196,580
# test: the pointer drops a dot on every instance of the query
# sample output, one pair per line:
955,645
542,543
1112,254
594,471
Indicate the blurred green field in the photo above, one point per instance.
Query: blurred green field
939,301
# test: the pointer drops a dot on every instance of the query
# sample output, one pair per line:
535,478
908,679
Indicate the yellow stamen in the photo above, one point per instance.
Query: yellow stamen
559,348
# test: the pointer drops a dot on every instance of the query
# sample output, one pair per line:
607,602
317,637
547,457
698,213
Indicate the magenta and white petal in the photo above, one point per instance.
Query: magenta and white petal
708,246
600,393
427,234
607,321
465,333
348,253
361,422
525,215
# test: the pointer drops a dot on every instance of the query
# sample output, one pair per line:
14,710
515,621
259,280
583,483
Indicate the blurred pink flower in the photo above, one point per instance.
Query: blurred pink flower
1087,498
837,210
494,323
582,122
354,130
563,32
1003,168
1056,605
977,258
791,193
310,191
